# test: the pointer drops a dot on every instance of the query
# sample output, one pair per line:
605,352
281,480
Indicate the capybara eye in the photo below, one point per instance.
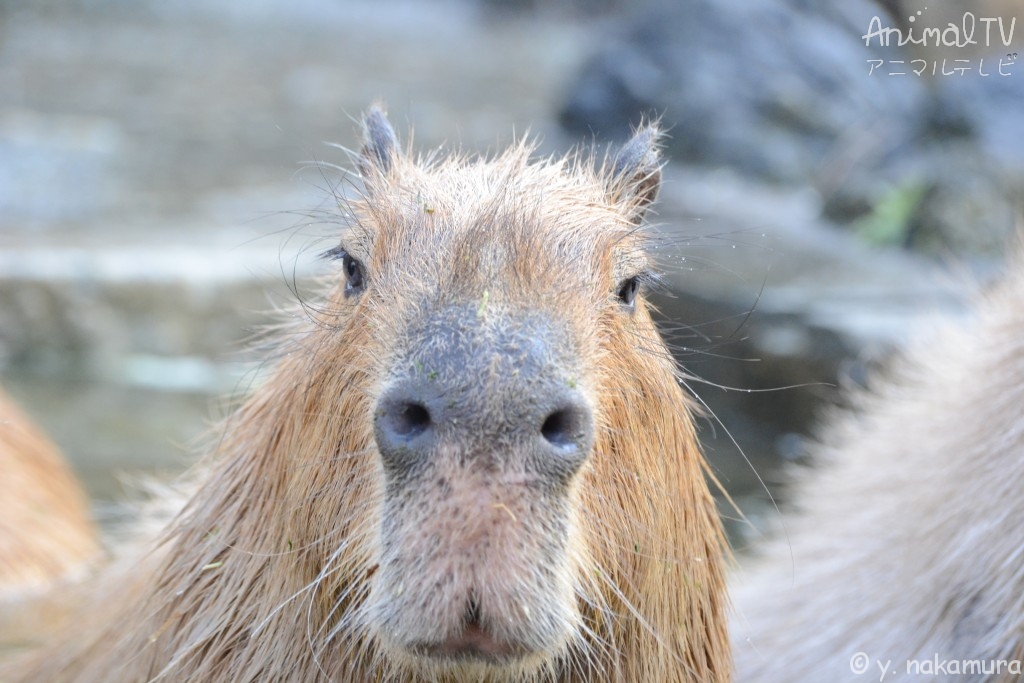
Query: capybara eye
628,290
353,274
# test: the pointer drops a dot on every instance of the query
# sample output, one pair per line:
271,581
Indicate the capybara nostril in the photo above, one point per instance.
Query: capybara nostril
567,435
404,426
570,427
408,420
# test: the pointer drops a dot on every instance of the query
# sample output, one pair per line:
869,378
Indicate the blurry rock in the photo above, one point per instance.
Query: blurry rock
781,91
106,311
778,89
968,207
991,109
578,7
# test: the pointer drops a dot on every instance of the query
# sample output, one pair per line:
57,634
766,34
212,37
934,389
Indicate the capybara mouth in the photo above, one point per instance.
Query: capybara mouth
473,643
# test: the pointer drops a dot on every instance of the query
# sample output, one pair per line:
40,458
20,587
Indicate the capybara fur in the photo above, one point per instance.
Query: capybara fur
473,462
47,538
46,534
907,540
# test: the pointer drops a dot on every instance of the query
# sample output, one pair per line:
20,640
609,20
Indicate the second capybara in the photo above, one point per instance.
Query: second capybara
47,537
904,557
46,533
474,461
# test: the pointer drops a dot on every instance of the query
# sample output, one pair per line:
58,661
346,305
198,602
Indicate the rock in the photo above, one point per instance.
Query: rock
775,88
781,91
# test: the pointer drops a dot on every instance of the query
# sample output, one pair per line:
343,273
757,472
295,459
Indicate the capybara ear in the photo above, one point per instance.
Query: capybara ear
636,171
379,145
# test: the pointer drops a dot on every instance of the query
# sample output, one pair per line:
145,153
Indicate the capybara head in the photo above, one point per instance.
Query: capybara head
474,461
488,294
498,361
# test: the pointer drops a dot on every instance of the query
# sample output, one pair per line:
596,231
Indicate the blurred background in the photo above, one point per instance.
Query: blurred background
158,170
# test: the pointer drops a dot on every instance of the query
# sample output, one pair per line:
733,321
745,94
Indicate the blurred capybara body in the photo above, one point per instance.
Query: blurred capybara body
903,558
474,461
47,538
46,534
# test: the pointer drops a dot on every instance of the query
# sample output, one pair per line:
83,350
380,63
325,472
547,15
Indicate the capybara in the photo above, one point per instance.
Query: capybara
46,533
47,538
473,462
904,557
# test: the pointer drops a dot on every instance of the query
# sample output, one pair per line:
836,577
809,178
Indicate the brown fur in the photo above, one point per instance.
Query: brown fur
46,536
907,540
273,570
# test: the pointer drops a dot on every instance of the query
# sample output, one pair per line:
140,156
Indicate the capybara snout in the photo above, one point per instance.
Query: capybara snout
480,432
495,393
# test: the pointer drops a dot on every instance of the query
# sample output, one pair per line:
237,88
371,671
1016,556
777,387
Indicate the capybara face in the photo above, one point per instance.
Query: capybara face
481,297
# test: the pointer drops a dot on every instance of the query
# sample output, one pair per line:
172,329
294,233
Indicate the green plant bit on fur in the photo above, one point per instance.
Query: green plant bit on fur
483,304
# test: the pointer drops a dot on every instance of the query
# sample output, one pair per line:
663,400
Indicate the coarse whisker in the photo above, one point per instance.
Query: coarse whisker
700,355
340,602
760,390
657,351
310,636
327,165
747,460
669,329
311,586
591,646
639,617
669,326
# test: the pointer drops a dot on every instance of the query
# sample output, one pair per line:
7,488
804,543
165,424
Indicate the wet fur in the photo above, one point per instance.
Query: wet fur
905,543
268,571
